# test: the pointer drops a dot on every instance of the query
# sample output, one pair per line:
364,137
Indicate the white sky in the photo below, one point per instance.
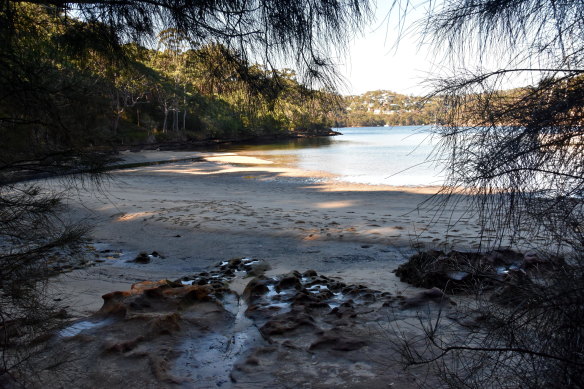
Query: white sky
377,61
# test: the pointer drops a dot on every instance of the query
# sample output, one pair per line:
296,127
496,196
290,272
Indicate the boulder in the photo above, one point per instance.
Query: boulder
503,257
454,272
152,296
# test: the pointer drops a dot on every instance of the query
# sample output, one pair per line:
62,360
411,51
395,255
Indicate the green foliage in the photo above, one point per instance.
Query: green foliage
64,92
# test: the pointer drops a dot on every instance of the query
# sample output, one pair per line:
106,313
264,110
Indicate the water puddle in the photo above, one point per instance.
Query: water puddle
106,253
81,326
504,270
319,291
209,359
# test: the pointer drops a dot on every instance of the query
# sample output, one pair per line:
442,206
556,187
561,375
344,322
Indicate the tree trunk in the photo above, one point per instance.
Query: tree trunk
184,127
116,122
117,117
165,119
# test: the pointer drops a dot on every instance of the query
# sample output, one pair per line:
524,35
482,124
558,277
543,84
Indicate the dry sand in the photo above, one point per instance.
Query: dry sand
197,213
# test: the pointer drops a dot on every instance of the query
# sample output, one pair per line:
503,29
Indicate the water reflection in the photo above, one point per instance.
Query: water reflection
284,144
282,160
368,155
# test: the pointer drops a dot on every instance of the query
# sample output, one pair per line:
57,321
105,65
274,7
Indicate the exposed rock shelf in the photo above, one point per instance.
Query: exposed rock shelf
291,330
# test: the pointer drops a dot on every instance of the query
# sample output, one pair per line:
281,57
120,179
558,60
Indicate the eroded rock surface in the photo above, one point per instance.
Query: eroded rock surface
292,330
460,272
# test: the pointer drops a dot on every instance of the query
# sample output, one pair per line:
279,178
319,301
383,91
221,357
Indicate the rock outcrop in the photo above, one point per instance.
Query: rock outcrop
296,329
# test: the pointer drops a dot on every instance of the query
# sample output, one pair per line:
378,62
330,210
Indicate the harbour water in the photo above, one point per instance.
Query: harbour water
399,156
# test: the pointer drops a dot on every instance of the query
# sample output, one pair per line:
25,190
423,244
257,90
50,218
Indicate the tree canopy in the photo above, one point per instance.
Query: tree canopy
302,32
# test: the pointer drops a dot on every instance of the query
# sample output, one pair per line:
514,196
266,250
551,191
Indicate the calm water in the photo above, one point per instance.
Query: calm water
366,155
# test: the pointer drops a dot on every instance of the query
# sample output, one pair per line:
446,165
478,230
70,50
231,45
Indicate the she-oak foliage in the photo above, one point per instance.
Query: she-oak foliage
519,153
526,143
78,77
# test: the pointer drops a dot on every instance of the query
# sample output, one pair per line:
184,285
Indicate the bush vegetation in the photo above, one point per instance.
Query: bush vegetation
518,155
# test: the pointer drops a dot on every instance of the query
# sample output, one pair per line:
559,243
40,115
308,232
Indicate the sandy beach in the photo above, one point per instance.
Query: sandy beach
198,213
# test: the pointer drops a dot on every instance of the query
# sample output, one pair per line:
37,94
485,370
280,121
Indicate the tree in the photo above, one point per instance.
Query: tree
53,109
299,31
523,145
519,154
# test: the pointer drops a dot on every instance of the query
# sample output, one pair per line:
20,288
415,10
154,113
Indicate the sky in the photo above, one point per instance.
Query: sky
376,60
382,58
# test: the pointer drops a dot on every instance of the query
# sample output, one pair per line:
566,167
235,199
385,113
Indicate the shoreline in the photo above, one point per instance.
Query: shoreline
228,205
205,144
144,158
21,174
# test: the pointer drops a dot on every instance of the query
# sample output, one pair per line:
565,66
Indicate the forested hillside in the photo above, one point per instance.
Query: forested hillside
383,107
59,86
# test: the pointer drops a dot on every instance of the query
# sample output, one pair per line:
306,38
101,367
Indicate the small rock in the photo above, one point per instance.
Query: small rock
142,258
289,282
309,273
252,361
255,288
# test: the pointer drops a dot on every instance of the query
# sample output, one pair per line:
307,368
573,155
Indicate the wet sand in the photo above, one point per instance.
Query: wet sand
198,213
